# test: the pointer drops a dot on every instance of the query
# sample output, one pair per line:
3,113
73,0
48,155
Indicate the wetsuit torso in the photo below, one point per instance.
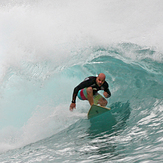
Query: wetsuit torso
90,82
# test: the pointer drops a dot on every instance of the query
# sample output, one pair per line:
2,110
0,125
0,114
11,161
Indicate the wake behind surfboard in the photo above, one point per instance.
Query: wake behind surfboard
96,110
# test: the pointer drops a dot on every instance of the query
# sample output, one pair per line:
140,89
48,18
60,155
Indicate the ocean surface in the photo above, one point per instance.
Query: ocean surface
48,47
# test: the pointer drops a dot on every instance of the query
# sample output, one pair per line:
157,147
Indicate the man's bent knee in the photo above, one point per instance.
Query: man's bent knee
89,90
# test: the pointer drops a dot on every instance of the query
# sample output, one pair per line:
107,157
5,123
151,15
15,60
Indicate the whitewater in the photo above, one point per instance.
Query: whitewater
48,47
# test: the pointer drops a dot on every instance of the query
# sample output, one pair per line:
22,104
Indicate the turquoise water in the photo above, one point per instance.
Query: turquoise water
47,48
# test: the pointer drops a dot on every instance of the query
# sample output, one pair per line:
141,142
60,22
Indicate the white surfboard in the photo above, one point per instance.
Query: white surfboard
96,110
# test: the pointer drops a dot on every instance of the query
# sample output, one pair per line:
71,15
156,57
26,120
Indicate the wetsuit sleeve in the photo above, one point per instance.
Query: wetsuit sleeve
82,85
106,89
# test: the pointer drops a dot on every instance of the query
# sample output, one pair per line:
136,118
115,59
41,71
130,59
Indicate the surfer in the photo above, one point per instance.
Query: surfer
87,90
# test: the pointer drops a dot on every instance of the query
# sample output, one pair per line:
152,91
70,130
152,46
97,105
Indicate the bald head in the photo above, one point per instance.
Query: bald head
100,79
101,76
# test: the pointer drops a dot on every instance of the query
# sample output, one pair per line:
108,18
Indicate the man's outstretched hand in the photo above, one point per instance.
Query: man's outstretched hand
72,106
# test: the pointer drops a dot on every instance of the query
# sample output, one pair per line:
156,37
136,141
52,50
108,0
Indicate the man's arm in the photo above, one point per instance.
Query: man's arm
84,84
107,92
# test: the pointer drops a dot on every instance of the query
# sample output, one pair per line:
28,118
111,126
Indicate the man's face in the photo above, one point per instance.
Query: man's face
100,81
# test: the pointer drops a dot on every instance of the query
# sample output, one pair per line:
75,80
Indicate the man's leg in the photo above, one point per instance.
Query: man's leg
90,95
102,101
98,99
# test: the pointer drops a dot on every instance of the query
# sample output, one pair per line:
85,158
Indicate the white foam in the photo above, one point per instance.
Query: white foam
39,30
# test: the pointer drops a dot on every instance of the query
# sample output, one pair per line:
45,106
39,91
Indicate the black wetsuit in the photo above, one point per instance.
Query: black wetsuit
90,82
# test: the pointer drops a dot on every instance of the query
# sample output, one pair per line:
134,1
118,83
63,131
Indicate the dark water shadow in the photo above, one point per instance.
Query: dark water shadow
104,127
121,112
